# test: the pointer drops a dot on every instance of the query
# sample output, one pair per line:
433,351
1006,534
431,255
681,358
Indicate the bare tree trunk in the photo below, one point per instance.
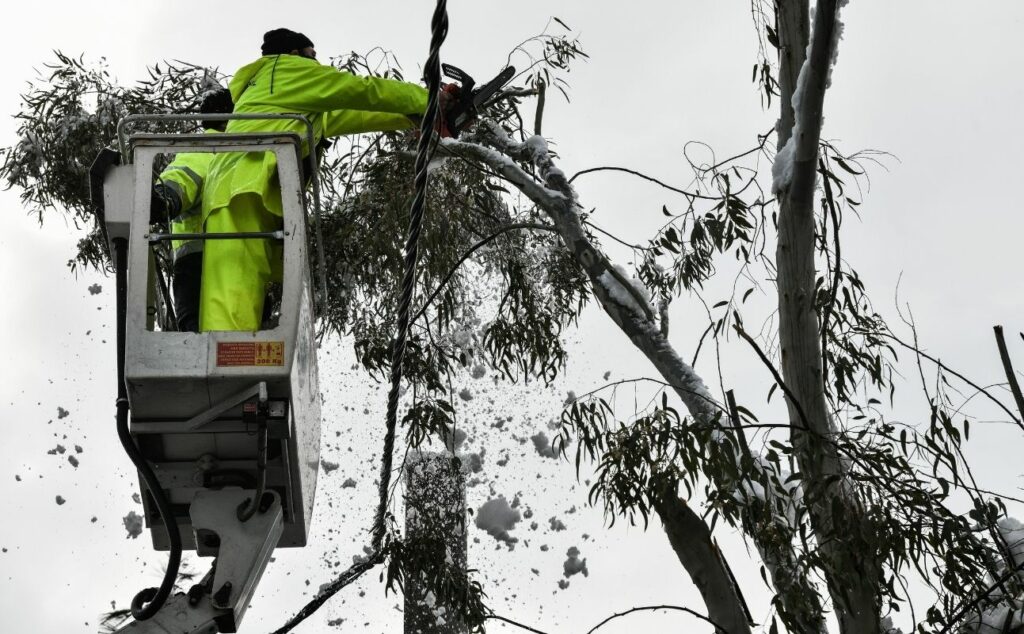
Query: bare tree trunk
793,30
850,567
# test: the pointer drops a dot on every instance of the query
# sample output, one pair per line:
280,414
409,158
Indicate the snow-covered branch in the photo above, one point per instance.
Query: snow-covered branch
630,308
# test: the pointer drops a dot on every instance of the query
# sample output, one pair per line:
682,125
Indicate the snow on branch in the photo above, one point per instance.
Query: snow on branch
807,113
628,304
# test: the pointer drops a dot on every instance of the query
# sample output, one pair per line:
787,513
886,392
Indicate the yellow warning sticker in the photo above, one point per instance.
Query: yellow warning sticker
250,353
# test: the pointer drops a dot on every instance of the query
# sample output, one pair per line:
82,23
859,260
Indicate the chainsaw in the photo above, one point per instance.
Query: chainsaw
469,98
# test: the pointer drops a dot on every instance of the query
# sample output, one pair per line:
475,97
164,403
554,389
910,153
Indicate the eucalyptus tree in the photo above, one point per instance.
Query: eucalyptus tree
846,509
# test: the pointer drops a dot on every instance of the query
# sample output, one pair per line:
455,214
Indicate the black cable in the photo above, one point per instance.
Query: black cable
149,601
248,508
432,72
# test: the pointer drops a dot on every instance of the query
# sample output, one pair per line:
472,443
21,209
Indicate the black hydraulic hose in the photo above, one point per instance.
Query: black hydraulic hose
149,601
248,508
432,71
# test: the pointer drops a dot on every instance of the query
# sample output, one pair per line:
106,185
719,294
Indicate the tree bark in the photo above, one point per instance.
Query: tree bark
793,29
690,538
849,567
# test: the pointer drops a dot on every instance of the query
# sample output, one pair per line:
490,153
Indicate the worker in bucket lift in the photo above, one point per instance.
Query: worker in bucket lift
242,192
177,196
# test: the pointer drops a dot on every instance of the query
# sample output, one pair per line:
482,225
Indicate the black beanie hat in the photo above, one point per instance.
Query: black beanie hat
281,41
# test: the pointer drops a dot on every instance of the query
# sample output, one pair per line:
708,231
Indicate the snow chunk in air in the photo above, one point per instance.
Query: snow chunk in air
498,518
543,445
573,564
132,524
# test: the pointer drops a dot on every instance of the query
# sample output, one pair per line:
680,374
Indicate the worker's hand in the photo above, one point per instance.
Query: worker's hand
450,94
164,204
447,99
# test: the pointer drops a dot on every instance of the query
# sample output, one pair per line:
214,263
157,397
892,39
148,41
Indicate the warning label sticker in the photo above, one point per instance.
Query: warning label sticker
250,353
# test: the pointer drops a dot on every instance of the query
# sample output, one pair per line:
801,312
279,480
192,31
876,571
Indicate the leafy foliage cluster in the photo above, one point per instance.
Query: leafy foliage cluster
68,115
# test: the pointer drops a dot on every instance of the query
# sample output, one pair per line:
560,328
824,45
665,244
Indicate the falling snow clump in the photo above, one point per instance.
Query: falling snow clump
60,500
543,445
573,564
498,518
349,483
474,461
465,394
95,289
62,413
74,461
328,465
556,524
453,439
132,524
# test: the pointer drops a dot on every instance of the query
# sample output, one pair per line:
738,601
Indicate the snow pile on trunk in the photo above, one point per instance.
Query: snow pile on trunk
498,518
620,294
1007,615
1012,532
782,168
888,628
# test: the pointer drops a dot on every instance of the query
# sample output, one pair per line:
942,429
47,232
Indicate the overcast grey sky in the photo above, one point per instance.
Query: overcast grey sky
936,83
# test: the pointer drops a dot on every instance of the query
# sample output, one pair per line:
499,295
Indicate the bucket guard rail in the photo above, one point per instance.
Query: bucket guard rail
127,140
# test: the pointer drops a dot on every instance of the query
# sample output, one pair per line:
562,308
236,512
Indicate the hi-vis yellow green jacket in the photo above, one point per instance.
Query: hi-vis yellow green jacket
336,102
186,175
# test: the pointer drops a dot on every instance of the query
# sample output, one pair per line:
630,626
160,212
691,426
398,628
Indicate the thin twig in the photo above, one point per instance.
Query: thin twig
956,374
347,577
541,87
834,291
503,619
718,628
693,364
775,373
689,195
614,237
734,416
1004,354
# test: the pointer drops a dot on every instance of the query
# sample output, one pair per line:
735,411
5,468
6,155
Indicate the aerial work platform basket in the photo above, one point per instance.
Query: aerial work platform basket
224,408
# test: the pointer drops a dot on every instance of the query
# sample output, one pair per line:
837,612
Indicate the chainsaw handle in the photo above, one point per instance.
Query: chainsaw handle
459,75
